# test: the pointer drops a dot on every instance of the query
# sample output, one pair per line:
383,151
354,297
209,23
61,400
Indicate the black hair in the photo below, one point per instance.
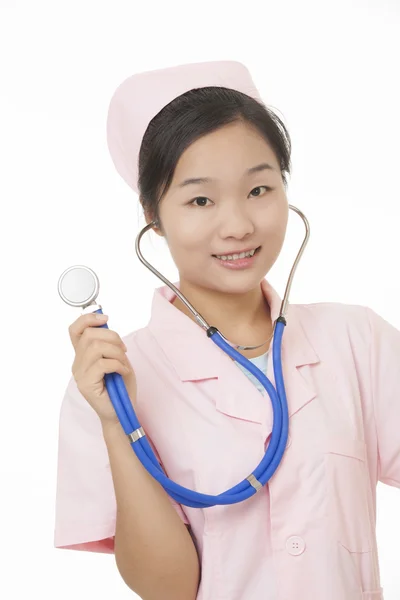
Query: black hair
187,118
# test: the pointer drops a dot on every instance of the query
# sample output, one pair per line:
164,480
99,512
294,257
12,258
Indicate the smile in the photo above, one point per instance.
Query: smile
242,255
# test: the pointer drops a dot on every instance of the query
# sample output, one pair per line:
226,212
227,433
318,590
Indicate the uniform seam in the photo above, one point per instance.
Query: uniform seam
371,377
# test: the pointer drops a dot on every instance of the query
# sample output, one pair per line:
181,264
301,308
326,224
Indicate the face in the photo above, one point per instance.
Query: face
232,212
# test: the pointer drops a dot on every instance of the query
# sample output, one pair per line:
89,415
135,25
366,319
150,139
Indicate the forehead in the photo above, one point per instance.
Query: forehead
236,144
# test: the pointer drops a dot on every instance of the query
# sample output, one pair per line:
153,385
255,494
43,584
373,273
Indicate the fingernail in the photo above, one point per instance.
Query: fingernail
125,347
101,317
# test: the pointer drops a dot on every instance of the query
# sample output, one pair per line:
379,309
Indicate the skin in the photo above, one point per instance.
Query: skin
233,212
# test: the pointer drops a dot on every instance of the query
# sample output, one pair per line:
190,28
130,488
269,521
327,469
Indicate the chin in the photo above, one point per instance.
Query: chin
241,284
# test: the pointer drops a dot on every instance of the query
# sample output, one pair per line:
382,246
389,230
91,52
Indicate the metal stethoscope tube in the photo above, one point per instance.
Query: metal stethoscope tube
79,286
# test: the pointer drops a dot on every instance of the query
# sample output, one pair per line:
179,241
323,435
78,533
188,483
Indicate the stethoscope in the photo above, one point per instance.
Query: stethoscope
79,286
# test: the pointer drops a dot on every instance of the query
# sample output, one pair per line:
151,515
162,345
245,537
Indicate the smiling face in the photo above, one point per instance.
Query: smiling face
237,209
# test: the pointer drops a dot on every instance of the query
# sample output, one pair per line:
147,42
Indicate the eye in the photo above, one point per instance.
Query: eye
199,198
260,187
203,199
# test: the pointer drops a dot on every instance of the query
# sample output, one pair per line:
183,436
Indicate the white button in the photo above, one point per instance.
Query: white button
295,545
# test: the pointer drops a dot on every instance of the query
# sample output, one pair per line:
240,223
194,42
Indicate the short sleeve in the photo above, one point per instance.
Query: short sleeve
85,506
385,380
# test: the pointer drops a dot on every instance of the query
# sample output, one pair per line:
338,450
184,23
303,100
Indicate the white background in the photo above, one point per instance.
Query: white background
330,70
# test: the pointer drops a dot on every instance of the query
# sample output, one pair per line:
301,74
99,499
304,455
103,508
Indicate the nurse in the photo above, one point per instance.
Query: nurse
209,162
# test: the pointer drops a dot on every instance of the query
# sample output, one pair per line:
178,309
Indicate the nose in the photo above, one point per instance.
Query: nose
236,223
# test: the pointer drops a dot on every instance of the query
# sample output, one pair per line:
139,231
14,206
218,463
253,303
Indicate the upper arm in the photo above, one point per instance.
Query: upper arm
385,381
85,512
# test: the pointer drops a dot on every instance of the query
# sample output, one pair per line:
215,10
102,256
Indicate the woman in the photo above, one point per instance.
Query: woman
209,160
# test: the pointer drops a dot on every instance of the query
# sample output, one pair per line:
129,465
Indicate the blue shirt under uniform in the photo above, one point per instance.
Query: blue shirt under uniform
260,362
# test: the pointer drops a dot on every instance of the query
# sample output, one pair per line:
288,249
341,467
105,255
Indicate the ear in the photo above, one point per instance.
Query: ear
149,219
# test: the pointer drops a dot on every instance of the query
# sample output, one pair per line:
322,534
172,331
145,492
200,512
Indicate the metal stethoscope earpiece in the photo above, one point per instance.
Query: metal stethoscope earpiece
79,286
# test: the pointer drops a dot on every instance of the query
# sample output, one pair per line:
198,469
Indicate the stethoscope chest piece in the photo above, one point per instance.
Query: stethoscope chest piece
79,286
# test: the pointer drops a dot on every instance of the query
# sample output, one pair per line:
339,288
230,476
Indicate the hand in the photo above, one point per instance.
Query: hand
99,351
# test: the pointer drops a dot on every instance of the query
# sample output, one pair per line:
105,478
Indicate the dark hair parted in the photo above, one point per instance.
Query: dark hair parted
186,119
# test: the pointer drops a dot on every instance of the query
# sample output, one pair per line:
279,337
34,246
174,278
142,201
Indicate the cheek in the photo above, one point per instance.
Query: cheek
272,232
274,221
184,235
188,248
274,240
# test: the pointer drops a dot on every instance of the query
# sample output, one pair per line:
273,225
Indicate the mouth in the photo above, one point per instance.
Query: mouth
238,256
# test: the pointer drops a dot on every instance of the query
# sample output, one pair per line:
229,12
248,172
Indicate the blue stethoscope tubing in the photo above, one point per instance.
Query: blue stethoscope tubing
71,294
242,491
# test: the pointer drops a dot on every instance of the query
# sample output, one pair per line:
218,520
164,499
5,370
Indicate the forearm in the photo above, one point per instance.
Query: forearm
154,551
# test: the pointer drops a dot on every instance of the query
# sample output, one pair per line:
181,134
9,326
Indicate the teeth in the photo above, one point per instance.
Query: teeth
236,256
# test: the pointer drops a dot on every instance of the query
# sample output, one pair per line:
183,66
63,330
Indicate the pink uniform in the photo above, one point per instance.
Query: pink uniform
310,532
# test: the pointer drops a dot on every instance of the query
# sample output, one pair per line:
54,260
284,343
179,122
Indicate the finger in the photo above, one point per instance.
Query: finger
94,353
77,328
106,365
91,334
92,331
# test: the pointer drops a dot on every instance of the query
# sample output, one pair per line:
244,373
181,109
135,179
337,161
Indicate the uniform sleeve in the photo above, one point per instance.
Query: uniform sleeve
85,506
385,379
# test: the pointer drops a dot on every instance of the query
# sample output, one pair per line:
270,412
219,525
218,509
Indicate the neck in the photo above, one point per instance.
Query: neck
243,319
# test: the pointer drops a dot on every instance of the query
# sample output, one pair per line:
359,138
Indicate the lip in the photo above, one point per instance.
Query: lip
240,263
236,251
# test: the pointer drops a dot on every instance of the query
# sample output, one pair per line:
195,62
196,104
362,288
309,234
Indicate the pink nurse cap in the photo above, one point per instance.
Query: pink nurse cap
140,97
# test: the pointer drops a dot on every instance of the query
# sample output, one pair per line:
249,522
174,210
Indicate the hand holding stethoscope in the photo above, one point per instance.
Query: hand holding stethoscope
99,351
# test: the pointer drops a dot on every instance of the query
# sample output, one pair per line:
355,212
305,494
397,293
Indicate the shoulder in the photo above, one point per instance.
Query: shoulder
331,314
331,310
327,319
153,369
143,347
355,317
356,325
335,323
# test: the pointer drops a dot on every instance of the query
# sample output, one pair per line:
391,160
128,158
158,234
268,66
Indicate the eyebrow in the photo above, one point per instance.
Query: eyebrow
195,180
